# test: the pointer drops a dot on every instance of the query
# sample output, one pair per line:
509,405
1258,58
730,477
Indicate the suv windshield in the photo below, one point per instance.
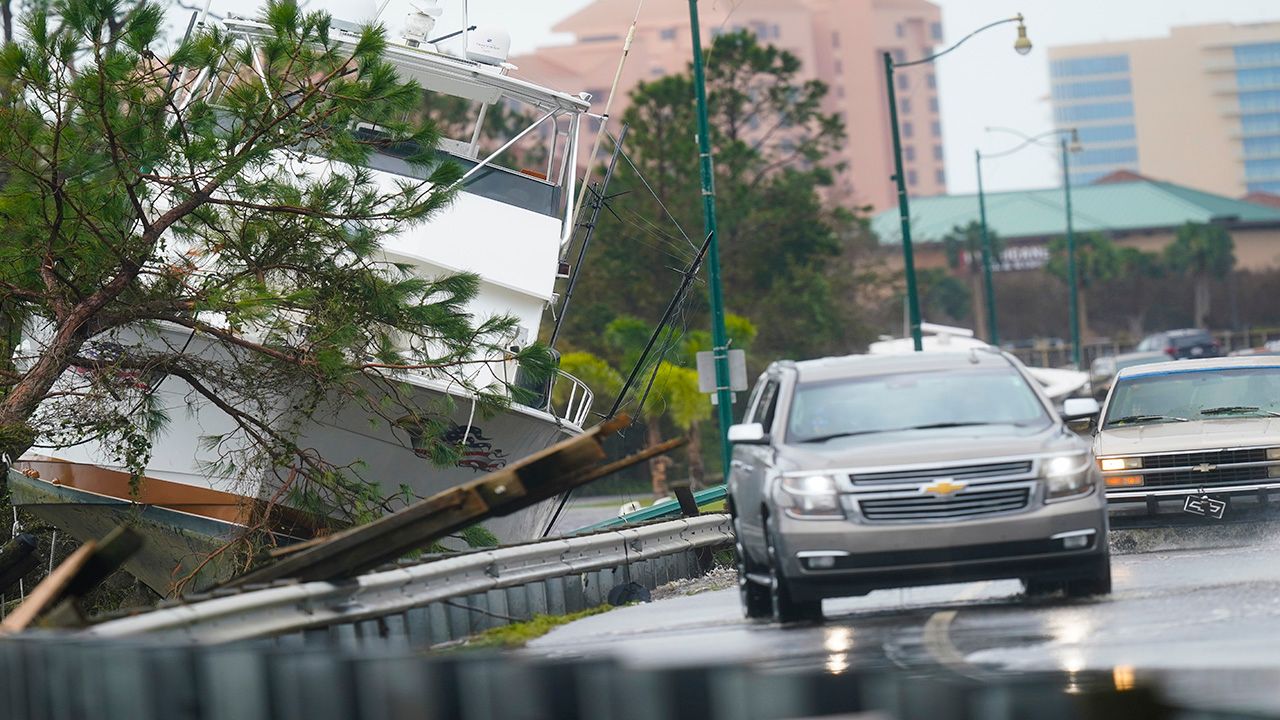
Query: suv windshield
916,400
1179,396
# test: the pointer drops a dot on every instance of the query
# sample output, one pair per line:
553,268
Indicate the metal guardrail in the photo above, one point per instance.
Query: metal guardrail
290,608
657,511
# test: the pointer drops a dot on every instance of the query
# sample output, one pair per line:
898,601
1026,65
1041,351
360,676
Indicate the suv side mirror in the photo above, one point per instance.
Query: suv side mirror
748,434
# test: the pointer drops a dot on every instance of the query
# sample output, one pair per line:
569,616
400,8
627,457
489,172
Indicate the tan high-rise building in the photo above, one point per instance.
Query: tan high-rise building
837,41
1200,107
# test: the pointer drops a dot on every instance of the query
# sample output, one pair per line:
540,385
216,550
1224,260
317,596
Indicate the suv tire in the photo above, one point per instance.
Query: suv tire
757,602
786,609
1097,582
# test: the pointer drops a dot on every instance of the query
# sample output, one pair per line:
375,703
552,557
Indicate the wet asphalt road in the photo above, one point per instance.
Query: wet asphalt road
1195,611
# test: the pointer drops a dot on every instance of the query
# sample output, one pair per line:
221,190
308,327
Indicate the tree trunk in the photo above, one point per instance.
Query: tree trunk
1082,304
979,306
697,469
657,465
1202,301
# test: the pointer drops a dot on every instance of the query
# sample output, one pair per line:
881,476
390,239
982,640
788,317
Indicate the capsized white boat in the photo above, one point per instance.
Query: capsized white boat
1058,383
507,225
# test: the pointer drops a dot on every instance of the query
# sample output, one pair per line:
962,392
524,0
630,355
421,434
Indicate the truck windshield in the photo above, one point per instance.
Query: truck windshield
909,401
1183,395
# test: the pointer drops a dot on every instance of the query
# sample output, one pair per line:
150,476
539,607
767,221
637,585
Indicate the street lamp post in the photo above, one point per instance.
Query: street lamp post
993,333
1023,46
1073,293
1071,254
719,336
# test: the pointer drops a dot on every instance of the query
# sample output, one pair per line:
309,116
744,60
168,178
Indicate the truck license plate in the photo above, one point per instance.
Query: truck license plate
1205,506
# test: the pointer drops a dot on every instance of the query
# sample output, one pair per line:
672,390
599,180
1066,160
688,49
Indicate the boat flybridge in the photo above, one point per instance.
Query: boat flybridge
508,224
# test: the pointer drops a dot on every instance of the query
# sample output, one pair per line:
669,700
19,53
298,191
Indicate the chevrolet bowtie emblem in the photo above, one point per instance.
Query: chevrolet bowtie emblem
1204,467
943,487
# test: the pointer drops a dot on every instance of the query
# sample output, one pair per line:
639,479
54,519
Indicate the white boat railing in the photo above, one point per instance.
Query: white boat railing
574,408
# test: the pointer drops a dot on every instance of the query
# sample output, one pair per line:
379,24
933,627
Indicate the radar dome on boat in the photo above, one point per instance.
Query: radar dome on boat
488,46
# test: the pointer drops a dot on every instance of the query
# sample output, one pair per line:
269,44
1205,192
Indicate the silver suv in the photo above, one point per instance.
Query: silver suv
863,472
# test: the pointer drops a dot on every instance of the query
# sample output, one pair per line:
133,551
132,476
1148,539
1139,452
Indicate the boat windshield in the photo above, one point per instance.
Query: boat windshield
1181,395
913,401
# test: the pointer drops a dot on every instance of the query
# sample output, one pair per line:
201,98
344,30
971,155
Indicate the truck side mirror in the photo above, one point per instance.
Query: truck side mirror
748,434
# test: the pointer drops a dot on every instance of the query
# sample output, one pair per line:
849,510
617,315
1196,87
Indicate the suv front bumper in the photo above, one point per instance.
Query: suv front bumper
830,558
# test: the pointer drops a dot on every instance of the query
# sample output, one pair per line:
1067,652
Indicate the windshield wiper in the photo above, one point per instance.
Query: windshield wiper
932,426
1136,419
1232,409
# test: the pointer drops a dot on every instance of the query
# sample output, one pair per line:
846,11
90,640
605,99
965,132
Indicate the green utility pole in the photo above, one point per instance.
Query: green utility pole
993,334
1071,260
719,338
908,257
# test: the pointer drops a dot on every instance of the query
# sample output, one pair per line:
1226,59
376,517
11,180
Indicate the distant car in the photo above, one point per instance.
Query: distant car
1181,344
1103,370
878,471
1194,436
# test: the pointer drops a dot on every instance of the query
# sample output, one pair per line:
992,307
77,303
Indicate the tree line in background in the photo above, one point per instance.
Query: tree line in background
1123,292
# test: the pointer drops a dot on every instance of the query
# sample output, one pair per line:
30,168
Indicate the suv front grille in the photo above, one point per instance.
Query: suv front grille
962,472
965,504
1209,457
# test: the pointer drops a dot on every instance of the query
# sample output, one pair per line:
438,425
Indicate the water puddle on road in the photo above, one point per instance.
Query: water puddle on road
1133,541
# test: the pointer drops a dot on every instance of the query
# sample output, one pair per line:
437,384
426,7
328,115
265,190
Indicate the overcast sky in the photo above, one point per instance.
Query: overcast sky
983,84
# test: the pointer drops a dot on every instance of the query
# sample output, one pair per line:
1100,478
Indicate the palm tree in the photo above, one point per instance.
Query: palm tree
1097,261
1205,252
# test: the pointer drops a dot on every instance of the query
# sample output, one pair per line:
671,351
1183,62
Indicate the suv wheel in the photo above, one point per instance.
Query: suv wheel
787,609
756,600
1097,582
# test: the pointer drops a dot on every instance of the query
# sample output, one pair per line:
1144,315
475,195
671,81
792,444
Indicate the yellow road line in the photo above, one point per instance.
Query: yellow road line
937,632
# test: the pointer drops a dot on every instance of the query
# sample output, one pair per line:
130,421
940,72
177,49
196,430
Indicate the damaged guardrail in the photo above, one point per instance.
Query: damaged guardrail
576,572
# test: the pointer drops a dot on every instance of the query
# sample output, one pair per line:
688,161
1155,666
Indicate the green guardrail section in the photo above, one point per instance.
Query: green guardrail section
663,509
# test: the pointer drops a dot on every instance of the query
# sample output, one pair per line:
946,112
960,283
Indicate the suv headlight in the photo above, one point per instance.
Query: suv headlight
1067,476
810,496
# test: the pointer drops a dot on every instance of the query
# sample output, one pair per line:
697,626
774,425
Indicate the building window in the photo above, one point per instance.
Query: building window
1093,89
899,55
906,105
1100,65
932,81
907,130
1102,111
835,39
901,30
840,91
1258,54
1113,133
935,30
838,67
600,38
937,128
909,152
937,152
668,34
911,178
933,104
904,82
1107,156
941,177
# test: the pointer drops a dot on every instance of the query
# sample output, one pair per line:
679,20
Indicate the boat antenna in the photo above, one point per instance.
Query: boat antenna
604,121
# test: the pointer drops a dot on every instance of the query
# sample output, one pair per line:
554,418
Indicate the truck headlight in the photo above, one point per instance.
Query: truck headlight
1273,453
812,496
1067,476
1110,464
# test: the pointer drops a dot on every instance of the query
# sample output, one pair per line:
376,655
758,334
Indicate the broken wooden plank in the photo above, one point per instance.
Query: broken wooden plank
48,592
525,482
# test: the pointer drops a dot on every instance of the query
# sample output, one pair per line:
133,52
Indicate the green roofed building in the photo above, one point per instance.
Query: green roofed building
1133,210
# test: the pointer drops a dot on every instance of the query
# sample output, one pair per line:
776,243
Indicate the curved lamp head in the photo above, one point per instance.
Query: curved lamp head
1075,145
1023,44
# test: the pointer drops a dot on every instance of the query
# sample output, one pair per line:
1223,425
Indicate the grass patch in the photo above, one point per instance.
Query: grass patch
517,635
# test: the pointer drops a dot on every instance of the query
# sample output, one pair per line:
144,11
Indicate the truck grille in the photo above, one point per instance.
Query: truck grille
965,504
1210,457
962,472
1192,479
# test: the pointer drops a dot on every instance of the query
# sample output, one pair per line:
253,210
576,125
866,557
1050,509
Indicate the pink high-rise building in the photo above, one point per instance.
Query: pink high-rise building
837,41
